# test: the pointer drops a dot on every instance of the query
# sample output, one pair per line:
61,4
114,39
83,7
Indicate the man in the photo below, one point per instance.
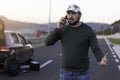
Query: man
2,26
75,37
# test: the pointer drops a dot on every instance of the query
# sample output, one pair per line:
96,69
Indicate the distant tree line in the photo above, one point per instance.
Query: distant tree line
111,29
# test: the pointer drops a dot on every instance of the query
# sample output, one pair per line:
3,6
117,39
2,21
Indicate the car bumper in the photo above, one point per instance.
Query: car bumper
3,56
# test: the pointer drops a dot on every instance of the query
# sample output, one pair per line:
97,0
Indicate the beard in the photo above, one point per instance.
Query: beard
72,22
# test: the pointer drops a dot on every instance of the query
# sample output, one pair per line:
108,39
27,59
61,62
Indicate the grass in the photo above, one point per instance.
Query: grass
115,40
35,42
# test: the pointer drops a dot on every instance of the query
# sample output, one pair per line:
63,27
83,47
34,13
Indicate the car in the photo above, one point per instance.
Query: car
15,50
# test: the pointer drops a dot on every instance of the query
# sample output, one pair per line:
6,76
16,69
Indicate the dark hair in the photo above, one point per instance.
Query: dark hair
80,13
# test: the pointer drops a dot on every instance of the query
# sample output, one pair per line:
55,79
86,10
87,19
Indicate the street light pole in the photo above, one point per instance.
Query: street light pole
49,18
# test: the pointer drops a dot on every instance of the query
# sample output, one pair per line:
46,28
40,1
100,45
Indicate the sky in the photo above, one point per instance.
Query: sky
39,11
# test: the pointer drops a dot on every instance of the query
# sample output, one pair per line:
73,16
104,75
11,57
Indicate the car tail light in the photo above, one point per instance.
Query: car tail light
4,48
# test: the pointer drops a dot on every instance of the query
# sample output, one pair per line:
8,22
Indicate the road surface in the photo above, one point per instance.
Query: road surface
50,60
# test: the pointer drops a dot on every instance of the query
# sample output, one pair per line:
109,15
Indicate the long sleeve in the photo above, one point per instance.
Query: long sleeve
95,47
53,37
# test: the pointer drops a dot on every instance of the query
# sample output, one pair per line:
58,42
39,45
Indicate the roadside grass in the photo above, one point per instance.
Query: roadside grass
37,42
115,40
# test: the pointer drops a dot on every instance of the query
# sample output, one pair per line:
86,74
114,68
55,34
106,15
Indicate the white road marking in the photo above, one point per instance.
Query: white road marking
60,54
46,63
114,56
116,60
110,48
119,67
112,51
41,66
24,66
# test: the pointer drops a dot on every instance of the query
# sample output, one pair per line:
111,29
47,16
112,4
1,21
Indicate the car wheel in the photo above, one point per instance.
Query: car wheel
12,67
34,65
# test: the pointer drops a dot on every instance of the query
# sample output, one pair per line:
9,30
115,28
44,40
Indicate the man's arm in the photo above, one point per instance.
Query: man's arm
53,37
56,34
103,61
101,58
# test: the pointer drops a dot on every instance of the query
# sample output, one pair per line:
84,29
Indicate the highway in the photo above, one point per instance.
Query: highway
50,60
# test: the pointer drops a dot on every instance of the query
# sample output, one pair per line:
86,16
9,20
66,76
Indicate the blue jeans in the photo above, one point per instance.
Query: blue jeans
68,75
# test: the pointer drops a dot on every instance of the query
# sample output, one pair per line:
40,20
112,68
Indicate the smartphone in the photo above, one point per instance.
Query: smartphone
66,17
66,21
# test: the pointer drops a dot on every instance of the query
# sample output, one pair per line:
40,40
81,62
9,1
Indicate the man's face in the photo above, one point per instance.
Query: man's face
1,27
73,17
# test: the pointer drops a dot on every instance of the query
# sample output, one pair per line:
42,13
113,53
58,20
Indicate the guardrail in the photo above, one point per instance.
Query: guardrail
36,38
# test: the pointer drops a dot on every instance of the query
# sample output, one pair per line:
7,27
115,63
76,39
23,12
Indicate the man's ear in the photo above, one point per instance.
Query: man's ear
80,14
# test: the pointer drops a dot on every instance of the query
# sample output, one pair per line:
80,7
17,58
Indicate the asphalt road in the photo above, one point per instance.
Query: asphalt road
50,60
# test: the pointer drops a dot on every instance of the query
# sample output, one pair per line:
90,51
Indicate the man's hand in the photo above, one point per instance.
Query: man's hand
103,61
61,23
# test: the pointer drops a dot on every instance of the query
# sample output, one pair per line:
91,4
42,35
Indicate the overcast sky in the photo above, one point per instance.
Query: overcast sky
37,11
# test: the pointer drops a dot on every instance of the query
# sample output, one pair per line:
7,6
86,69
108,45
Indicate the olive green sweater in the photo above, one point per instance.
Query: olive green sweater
75,46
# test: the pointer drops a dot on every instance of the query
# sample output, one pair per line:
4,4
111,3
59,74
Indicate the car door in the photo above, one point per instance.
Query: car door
27,48
15,44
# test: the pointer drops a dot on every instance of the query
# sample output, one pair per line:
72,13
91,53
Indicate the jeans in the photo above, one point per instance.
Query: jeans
68,75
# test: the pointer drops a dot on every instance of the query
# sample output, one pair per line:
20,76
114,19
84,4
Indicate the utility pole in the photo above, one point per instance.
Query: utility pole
49,18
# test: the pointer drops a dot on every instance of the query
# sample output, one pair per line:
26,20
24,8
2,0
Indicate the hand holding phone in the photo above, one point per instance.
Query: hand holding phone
62,22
